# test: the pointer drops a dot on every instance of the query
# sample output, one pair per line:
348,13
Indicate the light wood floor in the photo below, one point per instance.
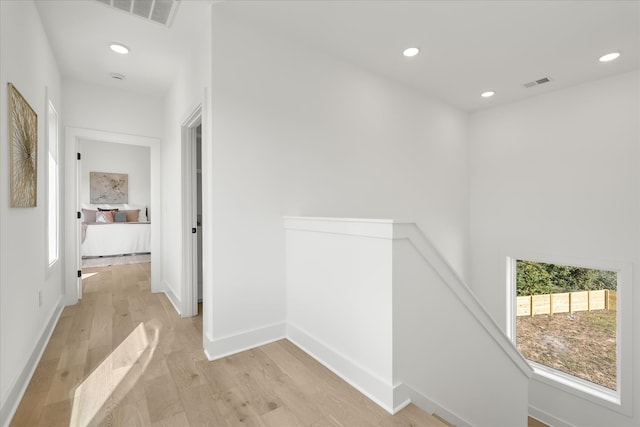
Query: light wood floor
123,357
535,423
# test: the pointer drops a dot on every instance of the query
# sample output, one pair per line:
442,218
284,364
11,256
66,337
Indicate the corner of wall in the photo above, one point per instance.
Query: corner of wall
547,418
431,406
173,298
368,383
218,348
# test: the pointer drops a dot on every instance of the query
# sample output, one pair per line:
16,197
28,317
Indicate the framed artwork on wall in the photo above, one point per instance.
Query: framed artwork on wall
23,150
108,187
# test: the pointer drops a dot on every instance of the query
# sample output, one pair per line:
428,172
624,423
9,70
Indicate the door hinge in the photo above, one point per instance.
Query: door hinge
79,273
78,215
78,156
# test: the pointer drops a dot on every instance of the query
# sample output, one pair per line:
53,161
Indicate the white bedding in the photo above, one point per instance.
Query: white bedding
116,238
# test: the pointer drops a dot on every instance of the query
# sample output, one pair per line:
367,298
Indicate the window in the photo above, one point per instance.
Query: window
567,320
53,195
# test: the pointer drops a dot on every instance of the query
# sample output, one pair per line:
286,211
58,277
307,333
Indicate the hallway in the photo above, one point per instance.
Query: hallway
122,356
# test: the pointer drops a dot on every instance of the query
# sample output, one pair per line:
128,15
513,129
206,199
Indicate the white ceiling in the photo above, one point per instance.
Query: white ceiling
80,32
466,46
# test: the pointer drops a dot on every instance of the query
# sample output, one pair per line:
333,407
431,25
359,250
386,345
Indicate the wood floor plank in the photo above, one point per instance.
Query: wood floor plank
126,358
95,356
302,404
64,383
55,414
327,421
58,340
219,377
101,332
163,399
532,422
184,369
73,356
236,410
30,410
254,376
200,406
175,420
43,376
281,416
81,324
134,414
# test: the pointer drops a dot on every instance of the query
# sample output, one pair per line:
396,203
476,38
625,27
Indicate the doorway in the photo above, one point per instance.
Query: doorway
192,291
198,197
73,225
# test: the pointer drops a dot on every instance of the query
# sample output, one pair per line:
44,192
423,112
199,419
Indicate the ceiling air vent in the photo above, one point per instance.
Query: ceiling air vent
537,82
160,11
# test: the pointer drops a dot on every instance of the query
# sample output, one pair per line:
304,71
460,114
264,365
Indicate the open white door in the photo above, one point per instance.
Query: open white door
191,223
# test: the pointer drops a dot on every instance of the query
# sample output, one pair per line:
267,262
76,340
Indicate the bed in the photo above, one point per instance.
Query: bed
109,231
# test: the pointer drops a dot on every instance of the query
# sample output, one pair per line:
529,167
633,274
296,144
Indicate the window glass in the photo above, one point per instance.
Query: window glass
566,319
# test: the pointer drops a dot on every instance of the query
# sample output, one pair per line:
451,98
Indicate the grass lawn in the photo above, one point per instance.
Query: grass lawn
582,344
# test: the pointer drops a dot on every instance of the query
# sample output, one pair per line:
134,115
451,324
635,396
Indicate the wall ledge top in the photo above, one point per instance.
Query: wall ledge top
338,219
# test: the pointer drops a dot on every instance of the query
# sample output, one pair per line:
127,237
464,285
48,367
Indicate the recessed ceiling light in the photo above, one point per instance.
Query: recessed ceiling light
411,51
609,57
119,48
487,94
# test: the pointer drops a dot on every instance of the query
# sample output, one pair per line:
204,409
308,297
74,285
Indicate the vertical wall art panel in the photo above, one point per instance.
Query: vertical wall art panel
108,187
23,150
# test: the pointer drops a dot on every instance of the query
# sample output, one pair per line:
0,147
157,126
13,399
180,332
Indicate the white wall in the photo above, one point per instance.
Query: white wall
185,95
449,356
133,160
95,107
375,302
27,61
559,176
299,133
339,298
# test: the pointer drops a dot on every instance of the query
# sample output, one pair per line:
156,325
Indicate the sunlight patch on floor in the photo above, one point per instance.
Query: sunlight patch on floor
114,377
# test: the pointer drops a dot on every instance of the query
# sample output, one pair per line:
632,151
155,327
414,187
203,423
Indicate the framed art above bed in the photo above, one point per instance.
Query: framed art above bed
109,187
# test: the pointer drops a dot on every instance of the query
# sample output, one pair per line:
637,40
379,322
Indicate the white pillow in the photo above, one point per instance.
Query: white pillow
104,216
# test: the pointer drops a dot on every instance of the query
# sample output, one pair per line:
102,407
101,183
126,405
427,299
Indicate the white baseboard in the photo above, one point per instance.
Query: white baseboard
231,344
10,404
401,397
403,392
548,419
366,382
173,298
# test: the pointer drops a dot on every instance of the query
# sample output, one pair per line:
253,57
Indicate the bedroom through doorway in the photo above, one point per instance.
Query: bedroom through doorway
108,154
114,186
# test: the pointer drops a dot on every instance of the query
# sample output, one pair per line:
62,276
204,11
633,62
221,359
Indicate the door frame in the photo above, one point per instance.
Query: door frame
73,226
189,297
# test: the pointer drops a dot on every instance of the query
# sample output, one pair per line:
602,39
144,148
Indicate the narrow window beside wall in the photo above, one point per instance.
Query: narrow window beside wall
53,194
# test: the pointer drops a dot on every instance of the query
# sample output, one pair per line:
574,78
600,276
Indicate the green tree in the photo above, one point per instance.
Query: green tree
532,279
535,278
603,279
570,279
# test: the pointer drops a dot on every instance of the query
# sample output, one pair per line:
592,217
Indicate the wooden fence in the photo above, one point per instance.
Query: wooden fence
567,302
